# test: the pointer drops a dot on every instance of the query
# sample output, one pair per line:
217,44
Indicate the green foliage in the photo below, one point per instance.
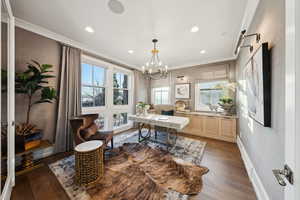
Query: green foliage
226,100
33,79
47,95
33,82
141,104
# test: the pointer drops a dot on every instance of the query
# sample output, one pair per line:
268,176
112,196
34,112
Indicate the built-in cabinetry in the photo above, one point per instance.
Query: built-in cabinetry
212,126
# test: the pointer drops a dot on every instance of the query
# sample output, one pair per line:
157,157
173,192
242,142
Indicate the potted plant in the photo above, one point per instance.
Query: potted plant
142,108
32,83
226,103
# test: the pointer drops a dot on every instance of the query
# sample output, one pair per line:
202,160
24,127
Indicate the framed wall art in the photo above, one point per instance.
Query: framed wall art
258,86
182,91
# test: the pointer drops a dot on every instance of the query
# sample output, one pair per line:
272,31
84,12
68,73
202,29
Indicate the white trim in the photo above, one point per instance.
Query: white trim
11,100
63,39
109,109
225,59
260,191
124,127
10,180
198,106
292,96
7,190
94,61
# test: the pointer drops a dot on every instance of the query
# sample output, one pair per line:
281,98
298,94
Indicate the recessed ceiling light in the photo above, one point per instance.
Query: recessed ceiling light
194,29
89,29
202,51
130,51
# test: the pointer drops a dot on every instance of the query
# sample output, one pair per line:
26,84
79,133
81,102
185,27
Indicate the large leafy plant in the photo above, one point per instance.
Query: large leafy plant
33,84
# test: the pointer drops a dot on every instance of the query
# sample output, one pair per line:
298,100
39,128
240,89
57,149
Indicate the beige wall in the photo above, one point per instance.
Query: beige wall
265,146
192,75
32,46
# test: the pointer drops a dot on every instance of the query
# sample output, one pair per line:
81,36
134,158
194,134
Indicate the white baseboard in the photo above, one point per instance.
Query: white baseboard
260,191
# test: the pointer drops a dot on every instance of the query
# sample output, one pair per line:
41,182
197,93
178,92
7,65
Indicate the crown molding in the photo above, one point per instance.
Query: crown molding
228,59
65,40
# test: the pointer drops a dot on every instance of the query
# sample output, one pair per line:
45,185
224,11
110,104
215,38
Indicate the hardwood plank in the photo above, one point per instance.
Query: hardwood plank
226,180
22,191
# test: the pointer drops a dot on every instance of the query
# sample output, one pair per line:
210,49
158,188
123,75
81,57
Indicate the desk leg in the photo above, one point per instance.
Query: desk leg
173,132
140,131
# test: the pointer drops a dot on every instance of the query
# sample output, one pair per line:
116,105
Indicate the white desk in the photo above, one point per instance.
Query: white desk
172,124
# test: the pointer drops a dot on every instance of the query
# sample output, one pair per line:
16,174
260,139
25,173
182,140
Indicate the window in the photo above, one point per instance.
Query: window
100,122
119,120
106,91
93,85
161,95
120,84
208,93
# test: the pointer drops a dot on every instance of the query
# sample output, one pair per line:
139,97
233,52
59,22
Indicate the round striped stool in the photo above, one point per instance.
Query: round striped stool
89,164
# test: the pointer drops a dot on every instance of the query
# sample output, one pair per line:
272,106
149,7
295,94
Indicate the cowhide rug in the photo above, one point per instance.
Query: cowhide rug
141,172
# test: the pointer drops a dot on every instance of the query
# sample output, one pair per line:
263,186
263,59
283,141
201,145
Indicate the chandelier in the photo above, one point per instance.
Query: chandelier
154,69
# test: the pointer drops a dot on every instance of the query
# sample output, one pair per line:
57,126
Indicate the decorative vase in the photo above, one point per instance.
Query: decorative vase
145,112
227,108
139,111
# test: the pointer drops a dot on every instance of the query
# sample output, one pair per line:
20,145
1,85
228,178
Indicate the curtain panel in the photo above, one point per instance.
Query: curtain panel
69,102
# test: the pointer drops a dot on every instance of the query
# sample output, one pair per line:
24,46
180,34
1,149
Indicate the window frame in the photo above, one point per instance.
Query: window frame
118,109
109,109
153,95
199,107
105,66
128,87
94,86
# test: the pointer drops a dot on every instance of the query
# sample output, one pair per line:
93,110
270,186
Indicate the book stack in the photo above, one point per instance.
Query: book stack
33,140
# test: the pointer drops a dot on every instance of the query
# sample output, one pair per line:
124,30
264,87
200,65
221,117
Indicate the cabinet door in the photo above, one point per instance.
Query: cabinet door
228,127
211,126
196,125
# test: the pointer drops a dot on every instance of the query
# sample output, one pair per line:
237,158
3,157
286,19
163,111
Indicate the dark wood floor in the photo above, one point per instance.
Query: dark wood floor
226,180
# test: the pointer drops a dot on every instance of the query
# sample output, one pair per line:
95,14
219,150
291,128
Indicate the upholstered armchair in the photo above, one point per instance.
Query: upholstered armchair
85,129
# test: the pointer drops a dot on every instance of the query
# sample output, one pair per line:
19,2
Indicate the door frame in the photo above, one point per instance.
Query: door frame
292,96
10,181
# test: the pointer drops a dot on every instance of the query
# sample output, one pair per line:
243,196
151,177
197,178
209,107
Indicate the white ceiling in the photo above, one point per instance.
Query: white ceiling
169,21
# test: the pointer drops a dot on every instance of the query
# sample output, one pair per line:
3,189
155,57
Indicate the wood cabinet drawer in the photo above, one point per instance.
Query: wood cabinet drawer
216,127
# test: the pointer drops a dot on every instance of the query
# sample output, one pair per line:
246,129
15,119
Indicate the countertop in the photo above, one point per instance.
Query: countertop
213,114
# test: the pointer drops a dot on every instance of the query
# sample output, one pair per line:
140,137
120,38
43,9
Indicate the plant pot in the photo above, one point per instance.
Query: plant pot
227,108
